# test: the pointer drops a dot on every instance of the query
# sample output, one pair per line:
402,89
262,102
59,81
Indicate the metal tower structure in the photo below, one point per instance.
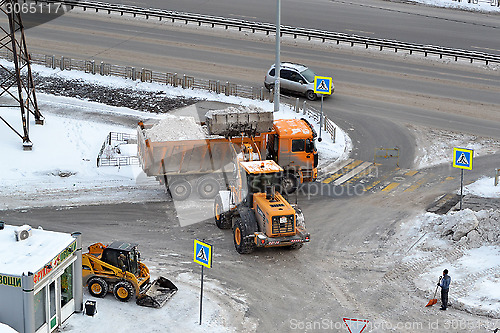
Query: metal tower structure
16,83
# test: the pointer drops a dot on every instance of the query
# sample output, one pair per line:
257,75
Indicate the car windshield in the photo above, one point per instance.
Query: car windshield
308,75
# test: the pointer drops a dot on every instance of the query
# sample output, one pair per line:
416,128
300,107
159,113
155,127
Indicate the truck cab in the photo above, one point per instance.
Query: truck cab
291,144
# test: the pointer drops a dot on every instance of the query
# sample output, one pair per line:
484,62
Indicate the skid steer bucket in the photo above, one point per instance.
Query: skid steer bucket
155,294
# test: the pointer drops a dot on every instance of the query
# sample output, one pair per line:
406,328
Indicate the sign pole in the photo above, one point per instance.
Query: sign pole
462,159
321,119
201,294
322,85
461,187
203,256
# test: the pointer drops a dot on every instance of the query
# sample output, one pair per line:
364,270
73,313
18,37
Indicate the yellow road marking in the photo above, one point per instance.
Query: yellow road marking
416,185
343,171
390,187
449,178
411,173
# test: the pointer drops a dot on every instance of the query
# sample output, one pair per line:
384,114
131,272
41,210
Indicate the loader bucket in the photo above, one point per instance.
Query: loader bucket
156,293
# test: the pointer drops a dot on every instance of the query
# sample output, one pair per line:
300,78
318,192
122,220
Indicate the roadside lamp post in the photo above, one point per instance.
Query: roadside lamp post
277,62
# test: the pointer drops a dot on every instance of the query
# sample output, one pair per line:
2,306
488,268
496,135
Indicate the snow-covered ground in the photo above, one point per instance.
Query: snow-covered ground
435,146
221,311
61,169
473,5
467,243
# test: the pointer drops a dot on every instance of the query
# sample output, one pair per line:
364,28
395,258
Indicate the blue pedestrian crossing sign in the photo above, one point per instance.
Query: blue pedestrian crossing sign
203,253
462,158
323,85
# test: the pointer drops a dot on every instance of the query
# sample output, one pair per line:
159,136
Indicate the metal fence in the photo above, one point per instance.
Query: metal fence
269,28
310,111
114,139
175,80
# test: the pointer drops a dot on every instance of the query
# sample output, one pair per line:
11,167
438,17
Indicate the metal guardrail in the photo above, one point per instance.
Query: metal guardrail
269,28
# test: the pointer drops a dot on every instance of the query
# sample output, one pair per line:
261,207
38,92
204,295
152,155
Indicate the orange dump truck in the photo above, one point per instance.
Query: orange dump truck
202,162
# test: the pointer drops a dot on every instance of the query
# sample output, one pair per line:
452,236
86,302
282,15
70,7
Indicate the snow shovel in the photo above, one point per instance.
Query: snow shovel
434,299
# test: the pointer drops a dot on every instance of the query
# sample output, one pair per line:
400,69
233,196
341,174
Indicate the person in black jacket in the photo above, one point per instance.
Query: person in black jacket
444,283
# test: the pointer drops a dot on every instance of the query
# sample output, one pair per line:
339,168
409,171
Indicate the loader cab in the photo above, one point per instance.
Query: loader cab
122,255
258,176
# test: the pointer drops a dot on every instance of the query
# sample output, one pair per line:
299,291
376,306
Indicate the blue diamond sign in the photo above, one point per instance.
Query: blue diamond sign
462,158
323,85
203,253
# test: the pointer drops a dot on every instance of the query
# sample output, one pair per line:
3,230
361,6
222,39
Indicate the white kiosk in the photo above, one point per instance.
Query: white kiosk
40,278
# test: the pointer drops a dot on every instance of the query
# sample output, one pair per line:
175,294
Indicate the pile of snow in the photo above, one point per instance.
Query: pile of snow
484,187
467,243
172,128
466,228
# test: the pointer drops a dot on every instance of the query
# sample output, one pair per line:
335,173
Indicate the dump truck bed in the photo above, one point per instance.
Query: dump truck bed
188,157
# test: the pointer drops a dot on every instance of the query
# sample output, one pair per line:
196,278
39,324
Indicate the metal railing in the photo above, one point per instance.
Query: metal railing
270,28
114,139
173,79
310,111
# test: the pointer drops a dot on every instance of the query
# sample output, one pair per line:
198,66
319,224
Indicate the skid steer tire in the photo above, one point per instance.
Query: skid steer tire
124,291
98,287
222,218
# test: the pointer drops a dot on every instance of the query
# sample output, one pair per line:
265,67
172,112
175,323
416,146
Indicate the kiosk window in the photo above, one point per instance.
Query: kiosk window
298,145
67,285
40,309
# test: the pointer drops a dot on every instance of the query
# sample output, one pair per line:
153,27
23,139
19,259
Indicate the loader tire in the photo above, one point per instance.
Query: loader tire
98,287
124,291
222,218
242,244
244,226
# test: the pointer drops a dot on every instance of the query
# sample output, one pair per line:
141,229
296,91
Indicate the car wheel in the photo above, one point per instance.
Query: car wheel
311,95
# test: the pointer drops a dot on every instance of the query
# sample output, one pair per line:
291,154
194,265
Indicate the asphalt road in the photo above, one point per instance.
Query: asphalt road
371,88
402,21
340,273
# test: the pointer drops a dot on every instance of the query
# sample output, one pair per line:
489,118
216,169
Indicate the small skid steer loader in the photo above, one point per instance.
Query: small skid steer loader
117,268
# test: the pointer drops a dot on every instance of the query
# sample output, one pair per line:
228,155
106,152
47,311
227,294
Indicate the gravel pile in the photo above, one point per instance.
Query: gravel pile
149,101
